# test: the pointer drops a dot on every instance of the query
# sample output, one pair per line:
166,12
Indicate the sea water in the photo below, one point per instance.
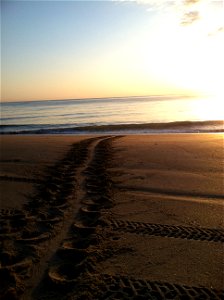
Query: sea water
84,115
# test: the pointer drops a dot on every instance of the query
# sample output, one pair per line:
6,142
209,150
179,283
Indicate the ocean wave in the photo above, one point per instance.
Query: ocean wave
171,127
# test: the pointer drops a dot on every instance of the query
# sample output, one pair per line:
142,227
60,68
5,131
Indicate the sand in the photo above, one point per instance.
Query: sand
112,217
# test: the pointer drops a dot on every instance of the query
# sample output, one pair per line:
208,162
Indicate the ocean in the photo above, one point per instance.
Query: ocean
151,114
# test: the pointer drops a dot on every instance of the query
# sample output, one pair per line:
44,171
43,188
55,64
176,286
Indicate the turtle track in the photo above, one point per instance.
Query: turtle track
78,253
98,185
169,231
23,232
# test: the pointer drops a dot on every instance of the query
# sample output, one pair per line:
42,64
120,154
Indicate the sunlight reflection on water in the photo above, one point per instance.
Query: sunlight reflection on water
132,110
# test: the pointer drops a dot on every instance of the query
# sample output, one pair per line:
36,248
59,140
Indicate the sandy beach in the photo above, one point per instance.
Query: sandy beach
112,217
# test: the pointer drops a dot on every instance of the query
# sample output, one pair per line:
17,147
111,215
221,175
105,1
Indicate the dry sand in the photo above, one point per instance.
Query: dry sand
131,217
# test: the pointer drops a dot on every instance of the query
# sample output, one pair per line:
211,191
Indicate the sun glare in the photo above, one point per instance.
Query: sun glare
187,57
209,109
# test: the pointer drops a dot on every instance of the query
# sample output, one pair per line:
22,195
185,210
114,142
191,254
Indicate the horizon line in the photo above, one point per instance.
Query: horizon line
98,98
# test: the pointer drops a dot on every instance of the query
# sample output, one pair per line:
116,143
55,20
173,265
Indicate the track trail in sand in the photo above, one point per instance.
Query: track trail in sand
30,236
75,199
60,244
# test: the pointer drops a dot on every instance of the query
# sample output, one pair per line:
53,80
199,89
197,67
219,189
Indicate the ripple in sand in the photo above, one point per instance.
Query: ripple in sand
65,274
74,255
34,237
91,211
83,229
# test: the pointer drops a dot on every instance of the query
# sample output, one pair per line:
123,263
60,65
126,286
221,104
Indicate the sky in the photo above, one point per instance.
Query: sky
93,49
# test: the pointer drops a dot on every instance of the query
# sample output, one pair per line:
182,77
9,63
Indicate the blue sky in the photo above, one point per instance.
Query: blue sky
79,49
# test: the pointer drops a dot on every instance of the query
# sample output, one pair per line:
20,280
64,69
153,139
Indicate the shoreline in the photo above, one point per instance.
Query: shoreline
98,215
138,128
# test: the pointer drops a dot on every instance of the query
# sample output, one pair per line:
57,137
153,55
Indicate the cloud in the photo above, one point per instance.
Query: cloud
190,17
191,12
190,2
217,31
186,12
180,7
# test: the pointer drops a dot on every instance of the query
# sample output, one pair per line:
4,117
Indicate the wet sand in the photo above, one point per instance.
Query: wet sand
112,217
